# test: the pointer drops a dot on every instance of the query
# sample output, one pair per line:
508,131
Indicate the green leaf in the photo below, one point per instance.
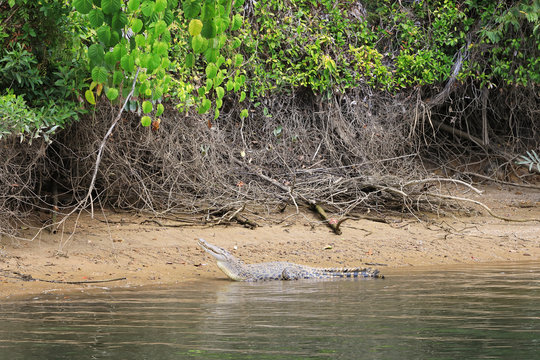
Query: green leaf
104,34
209,84
115,38
160,48
191,9
160,5
100,74
160,73
238,4
118,76
208,10
96,18
112,94
198,43
136,25
209,29
165,62
190,60
109,59
160,109
238,59
96,53
219,78
211,55
220,92
146,121
160,28
211,70
144,59
89,95
82,6
220,61
236,43
154,62
140,40
244,114
119,20
237,22
219,103
219,41
168,17
195,27
146,107
128,63
222,23
147,8
133,5
119,51
205,106
230,85
158,93
216,114
110,6
242,96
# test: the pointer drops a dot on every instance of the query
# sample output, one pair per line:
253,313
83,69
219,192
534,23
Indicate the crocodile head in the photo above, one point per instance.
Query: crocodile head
217,252
230,265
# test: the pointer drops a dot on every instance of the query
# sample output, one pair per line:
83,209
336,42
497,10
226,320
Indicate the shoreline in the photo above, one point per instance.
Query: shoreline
147,254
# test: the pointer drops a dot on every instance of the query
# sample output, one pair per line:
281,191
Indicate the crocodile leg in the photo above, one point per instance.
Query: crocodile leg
289,273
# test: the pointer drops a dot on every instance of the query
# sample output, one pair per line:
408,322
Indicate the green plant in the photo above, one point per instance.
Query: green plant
531,160
115,58
39,48
19,71
31,123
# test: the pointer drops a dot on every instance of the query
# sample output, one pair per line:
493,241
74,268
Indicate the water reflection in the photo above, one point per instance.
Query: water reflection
480,312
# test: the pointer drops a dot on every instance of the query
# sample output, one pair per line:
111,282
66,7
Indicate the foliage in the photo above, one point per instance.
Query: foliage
39,66
509,42
131,40
329,46
18,118
199,51
531,160
138,36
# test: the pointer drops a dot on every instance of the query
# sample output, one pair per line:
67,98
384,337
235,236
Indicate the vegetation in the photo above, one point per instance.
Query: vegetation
290,84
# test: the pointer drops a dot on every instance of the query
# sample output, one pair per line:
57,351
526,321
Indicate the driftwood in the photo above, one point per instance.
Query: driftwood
332,223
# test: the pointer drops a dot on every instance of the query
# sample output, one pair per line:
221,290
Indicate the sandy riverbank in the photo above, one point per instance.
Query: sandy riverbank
145,253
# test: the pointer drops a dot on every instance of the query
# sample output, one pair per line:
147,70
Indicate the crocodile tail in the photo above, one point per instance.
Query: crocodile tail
355,272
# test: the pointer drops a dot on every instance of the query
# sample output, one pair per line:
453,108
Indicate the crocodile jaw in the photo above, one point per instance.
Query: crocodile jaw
226,268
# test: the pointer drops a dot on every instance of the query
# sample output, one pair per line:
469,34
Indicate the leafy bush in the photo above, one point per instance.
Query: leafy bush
40,70
329,46
31,123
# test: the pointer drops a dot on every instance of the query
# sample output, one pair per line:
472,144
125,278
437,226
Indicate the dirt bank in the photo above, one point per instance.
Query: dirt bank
146,253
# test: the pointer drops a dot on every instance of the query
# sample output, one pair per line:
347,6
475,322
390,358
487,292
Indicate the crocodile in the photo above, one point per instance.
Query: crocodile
238,270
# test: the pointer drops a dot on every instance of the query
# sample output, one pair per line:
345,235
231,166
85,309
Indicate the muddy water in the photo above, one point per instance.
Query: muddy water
480,312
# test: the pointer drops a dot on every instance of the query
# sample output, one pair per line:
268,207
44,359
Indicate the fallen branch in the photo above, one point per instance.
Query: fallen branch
245,221
421,181
527,186
332,223
26,277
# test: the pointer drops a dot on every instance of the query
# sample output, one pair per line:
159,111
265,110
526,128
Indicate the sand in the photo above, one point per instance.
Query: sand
118,245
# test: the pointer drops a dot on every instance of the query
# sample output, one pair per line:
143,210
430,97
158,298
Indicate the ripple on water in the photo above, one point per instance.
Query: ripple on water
474,312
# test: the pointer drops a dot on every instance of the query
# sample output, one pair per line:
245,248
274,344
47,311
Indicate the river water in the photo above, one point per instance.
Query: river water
480,312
